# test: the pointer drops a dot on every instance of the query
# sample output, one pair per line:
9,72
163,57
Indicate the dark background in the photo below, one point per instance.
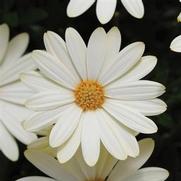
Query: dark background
156,29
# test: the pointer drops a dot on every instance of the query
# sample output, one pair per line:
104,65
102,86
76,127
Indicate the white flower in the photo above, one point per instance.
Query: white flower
176,44
105,8
93,95
12,92
107,168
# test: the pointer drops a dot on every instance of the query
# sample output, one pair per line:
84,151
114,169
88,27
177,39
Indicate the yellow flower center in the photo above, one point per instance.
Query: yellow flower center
89,95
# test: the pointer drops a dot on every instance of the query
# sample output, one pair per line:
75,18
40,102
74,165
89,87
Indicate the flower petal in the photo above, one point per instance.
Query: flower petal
105,10
53,69
24,64
56,46
16,93
131,165
134,7
38,83
148,107
113,46
16,48
140,70
12,119
8,144
108,138
4,39
130,118
43,161
135,91
42,120
35,178
96,53
176,44
90,140
77,50
125,60
49,100
65,126
150,174
105,164
78,7
68,150
126,140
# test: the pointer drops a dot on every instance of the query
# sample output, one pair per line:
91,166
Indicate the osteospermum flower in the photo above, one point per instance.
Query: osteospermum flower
93,94
12,92
105,8
107,168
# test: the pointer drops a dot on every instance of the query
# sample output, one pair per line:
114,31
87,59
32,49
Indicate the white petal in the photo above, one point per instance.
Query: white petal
78,7
131,165
147,107
125,60
35,178
126,140
68,150
140,70
134,7
96,53
38,83
113,46
16,93
88,172
43,120
130,118
8,144
4,39
179,18
16,48
24,64
77,50
56,46
49,100
108,138
12,119
176,44
90,140
105,10
150,174
135,91
53,69
43,161
65,126
105,164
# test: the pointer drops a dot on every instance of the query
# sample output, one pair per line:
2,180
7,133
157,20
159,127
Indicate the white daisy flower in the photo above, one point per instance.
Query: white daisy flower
105,8
107,168
176,44
93,94
13,93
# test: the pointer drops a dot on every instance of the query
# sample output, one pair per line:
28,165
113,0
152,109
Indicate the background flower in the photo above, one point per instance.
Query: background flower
13,93
107,168
105,8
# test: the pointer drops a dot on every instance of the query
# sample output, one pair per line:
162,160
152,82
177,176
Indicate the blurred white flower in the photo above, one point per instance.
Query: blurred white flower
179,18
176,44
107,168
93,94
12,92
105,8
